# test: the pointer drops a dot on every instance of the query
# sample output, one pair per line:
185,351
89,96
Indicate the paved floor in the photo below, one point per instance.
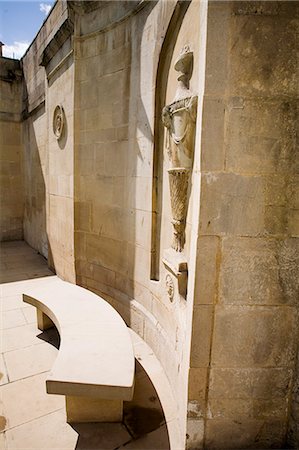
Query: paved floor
29,417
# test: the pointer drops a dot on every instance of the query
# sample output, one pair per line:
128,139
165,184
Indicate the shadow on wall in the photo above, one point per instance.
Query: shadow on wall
35,174
34,181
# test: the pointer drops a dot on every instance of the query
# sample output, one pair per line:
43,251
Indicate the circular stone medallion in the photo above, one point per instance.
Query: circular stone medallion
58,121
169,287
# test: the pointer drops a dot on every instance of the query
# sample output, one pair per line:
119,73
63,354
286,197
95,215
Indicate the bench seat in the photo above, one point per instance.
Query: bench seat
95,358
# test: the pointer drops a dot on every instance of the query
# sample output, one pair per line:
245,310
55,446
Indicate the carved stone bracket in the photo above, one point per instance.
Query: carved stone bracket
178,267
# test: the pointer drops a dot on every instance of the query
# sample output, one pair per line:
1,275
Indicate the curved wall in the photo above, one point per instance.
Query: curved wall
116,75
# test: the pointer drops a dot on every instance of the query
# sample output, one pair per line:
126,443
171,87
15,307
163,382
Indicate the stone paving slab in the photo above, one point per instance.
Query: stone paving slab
26,399
29,361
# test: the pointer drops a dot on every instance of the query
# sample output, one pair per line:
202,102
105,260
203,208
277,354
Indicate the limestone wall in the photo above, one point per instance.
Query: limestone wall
35,180
60,218
35,131
245,326
11,183
48,161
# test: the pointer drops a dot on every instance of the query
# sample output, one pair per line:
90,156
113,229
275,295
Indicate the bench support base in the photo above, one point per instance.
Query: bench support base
88,409
43,321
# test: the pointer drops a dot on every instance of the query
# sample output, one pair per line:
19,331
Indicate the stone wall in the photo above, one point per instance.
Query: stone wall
35,180
48,161
245,325
60,218
97,198
11,182
36,131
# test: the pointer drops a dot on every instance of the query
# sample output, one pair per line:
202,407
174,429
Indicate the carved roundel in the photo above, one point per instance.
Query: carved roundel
169,287
58,121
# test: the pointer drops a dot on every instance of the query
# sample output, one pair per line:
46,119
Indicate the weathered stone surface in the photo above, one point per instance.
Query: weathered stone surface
207,268
259,271
225,195
11,182
250,433
106,252
263,61
248,336
201,335
228,408
213,135
250,383
265,145
195,434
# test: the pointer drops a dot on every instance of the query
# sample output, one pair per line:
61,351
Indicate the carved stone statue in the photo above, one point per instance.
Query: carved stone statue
179,118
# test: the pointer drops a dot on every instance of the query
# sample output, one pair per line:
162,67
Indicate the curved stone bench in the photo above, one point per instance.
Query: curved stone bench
95,365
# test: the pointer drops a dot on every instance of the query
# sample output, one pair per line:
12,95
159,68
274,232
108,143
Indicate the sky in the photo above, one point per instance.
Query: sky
19,23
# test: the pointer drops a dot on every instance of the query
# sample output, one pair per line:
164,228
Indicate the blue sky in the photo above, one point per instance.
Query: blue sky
19,23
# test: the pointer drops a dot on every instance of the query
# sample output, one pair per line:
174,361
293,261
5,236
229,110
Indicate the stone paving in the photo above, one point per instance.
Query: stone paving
29,417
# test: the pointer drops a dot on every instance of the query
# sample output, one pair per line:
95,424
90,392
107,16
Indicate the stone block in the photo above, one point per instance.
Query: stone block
259,383
259,271
88,94
195,434
260,409
166,315
212,157
263,57
80,245
97,119
82,216
207,268
107,252
99,274
115,60
140,163
143,295
112,221
116,160
85,409
197,386
218,46
244,433
142,228
261,135
140,193
112,189
139,263
254,336
293,223
136,320
223,196
201,335
120,112
197,383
